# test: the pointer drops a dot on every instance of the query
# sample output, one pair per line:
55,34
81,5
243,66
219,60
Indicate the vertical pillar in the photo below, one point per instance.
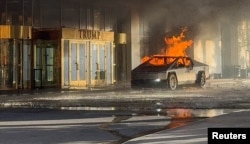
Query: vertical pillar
122,59
135,38
229,49
225,50
32,64
234,44
15,65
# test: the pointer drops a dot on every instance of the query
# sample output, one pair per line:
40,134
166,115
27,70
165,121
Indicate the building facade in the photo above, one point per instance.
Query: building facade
61,43
93,43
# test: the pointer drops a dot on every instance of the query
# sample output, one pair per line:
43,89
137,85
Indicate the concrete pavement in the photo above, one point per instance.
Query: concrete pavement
227,82
196,132
126,85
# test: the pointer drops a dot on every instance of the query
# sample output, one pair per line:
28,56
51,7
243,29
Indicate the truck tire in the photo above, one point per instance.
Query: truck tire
201,80
172,81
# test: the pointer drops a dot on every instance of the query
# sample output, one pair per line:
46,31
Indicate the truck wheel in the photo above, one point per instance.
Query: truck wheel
172,82
201,81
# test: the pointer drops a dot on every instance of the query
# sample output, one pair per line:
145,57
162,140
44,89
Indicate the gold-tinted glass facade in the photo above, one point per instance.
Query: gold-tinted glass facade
81,14
33,34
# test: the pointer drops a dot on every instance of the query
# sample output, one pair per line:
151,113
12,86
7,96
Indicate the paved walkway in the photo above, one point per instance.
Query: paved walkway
124,85
196,133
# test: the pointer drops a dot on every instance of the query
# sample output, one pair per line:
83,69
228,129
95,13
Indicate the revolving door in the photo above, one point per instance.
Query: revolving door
46,73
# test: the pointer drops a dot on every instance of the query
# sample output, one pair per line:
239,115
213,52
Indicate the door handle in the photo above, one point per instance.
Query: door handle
77,66
97,66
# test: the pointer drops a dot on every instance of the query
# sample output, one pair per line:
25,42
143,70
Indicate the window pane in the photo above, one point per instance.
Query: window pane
27,12
98,19
50,13
90,19
110,19
83,17
14,12
36,13
70,13
2,12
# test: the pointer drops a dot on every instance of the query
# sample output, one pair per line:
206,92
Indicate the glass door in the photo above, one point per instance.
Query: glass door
98,63
45,68
87,63
26,63
6,64
77,63
15,63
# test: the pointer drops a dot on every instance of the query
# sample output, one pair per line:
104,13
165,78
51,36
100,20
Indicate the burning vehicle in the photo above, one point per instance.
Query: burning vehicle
169,72
172,67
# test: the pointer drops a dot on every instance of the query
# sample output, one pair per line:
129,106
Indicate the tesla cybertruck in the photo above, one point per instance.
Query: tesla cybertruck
169,72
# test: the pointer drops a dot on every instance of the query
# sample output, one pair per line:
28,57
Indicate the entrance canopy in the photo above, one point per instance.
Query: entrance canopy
71,33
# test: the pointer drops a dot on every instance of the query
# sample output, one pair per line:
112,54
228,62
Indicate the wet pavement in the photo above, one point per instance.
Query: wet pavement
219,94
221,97
31,126
196,132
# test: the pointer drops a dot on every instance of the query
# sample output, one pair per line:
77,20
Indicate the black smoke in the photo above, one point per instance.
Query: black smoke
167,17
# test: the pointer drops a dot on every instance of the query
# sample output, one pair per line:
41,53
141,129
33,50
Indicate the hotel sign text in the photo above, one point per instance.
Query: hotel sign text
89,34
84,34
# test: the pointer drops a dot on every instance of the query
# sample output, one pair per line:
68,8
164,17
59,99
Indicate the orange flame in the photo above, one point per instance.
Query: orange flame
175,46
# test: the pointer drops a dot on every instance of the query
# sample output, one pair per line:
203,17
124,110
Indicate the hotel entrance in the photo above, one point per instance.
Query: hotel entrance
100,63
87,58
72,58
87,63
46,70
15,57
77,63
